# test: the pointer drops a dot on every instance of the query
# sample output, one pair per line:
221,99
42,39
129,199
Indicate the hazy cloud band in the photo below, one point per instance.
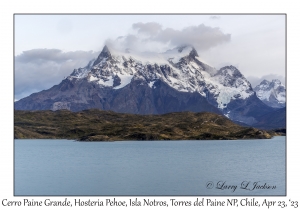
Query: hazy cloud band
40,69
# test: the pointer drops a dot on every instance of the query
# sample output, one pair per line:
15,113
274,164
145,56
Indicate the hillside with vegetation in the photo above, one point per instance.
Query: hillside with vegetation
97,125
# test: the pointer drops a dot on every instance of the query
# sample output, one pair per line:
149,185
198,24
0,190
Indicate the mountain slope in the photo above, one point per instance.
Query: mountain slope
150,83
275,119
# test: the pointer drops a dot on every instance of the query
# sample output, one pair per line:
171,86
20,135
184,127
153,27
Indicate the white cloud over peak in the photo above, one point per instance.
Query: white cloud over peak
152,36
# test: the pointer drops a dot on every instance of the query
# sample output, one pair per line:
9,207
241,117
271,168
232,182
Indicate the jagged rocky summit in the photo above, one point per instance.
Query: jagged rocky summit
149,83
271,93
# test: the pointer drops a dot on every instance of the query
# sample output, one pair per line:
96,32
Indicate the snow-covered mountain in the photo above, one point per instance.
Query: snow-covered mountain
271,93
178,68
152,83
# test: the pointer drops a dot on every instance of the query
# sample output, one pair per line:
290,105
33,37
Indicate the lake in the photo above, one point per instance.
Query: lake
145,168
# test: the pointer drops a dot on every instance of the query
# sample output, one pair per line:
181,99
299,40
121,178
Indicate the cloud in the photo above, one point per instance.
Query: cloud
55,55
214,17
49,66
202,37
151,28
39,69
151,36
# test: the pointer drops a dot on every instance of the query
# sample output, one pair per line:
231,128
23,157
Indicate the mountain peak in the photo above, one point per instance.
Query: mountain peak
105,49
105,53
188,48
193,53
183,53
276,81
271,93
265,82
231,71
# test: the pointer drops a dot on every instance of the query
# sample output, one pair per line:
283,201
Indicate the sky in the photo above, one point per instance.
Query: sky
48,48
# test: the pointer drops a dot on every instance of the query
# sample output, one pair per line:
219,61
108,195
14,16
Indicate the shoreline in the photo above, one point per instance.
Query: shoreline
157,140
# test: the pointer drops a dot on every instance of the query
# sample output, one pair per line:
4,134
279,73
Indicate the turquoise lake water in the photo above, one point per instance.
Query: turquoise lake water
145,168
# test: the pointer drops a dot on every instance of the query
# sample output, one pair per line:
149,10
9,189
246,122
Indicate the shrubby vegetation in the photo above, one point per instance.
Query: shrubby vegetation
97,125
